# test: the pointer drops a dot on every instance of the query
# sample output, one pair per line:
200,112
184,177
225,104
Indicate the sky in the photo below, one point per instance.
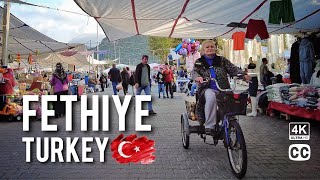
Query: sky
58,25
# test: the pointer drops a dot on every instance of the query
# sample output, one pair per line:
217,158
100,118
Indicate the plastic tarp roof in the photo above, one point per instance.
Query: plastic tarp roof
201,19
25,40
93,61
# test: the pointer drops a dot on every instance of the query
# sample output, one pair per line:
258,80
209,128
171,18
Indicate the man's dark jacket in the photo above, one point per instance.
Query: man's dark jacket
114,75
139,73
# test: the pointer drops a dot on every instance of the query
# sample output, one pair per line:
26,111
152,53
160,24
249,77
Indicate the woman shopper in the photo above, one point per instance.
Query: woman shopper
59,82
168,77
125,80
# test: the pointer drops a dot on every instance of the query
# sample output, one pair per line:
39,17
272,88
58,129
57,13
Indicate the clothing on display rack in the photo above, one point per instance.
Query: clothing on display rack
281,10
257,27
306,59
294,63
315,79
238,40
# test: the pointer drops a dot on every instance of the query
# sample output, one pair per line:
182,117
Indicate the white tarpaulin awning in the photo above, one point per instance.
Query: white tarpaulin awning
24,39
192,18
93,61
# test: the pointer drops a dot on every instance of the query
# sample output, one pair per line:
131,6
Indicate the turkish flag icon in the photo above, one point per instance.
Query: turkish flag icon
133,149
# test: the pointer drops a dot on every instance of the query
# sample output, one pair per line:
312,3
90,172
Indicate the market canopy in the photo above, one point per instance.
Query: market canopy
24,39
48,60
192,18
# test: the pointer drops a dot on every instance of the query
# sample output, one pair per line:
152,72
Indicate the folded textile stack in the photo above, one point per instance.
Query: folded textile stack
273,92
305,96
285,93
294,94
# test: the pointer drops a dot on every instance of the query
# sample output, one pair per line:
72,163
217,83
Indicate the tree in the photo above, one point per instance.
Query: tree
161,46
219,44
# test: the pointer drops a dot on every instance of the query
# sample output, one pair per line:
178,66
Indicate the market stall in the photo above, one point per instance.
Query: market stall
294,100
294,111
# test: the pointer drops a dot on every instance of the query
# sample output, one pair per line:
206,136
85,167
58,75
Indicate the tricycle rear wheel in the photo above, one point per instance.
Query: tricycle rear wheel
185,132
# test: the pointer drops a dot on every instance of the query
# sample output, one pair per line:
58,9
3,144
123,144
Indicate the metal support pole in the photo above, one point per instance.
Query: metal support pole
114,47
90,59
97,70
5,34
119,54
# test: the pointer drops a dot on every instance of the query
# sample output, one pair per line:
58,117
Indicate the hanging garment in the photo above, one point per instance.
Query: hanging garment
306,59
281,10
238,40
257,27
315,79
294,63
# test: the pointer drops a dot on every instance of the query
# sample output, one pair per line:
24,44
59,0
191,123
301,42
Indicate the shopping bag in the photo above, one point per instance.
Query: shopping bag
174,87
119,86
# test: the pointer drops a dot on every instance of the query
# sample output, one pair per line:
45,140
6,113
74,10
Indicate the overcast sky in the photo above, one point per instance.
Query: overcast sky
61,26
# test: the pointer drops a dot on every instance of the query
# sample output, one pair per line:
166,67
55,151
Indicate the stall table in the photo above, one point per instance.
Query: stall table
294,110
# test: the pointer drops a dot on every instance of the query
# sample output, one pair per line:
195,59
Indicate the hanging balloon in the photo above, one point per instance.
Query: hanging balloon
170,57
10,59
192,41
188,40
198,47
184,51
37,52
18,57
197,43
178,47
184,45
30,58
183,39
189,47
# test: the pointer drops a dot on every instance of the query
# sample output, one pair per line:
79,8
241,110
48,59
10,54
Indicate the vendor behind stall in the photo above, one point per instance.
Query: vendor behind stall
59,82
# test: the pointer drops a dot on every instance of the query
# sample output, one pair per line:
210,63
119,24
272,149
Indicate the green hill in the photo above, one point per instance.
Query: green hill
129,50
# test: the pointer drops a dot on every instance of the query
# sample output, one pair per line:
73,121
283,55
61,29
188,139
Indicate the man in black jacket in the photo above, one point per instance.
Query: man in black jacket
114,75
143,81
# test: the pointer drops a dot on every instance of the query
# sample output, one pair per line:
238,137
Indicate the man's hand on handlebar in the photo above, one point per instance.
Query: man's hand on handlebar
199,80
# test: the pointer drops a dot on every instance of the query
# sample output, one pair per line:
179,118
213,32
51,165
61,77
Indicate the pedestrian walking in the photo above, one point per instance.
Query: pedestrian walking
103,81
160,80
168,77
125,80
59,82
142,77
115,78
132,82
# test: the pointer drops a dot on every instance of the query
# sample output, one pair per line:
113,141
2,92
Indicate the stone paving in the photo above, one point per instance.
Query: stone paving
266,138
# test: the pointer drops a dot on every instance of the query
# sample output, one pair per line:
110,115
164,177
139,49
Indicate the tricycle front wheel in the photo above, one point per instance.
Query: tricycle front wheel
236,148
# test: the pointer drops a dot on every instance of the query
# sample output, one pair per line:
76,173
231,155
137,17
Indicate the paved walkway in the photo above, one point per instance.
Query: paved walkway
266,138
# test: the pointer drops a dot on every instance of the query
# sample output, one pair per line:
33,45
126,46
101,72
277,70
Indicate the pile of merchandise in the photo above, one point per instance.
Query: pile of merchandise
306,96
